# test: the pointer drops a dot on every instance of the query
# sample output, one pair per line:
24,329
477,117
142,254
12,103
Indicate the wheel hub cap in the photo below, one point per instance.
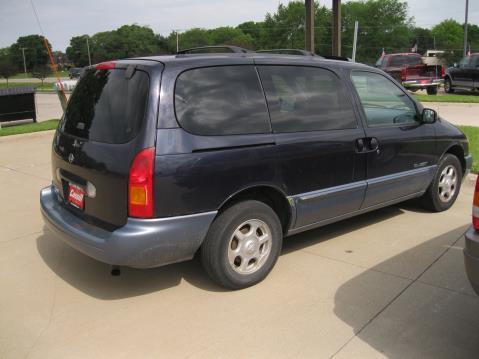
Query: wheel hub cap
447,184
249,246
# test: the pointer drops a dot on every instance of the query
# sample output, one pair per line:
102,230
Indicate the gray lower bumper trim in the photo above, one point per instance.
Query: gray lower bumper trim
142,243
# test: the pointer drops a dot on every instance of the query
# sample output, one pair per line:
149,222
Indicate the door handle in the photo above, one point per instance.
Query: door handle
360,145
367,145
373,144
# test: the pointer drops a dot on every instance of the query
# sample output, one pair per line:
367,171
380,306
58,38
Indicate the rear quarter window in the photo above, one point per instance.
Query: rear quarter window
222,100
107,107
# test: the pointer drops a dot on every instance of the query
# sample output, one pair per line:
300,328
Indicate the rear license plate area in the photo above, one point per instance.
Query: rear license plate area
76,196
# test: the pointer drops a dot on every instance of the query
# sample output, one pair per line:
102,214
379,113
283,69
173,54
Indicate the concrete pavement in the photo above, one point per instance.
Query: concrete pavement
466,114
390,283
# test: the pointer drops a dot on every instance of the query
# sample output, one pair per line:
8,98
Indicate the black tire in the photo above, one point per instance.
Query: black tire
220,240
448,85
432,198
431,90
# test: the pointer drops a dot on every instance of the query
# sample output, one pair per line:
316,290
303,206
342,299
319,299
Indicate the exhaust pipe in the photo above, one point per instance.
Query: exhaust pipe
115,271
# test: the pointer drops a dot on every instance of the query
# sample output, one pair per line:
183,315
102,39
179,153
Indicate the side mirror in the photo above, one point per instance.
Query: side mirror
429,115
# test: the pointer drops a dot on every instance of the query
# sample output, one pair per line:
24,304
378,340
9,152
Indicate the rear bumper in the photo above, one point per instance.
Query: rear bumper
422,83
142,243
471,257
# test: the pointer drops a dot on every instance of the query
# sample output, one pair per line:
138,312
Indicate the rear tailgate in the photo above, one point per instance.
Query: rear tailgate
423,72
103,128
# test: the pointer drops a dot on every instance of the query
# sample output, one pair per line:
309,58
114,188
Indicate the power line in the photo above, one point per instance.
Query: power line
37,18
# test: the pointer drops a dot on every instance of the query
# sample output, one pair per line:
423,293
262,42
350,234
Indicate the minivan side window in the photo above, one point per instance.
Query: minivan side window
304,98
222,100
383,102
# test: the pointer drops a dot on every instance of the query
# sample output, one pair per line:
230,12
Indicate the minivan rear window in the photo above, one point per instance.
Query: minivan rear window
106,106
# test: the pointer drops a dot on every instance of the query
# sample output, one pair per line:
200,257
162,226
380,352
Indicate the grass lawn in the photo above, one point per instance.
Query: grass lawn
23,75
472,134
29,127
47,87
463,98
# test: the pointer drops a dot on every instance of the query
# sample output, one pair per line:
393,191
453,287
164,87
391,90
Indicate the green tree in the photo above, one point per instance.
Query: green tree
41,72
35,51
230,36
77,52
124,42
382,24
425,39
255,30
191,38
7,65
449,34
136,40
285,28
449,37
473,37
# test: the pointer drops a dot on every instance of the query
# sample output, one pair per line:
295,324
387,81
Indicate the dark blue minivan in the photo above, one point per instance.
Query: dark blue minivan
158,158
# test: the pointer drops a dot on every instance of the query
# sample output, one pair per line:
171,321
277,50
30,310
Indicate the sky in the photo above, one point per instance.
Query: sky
63,19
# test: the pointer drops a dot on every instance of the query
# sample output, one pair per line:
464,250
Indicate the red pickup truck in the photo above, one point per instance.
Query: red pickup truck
410,70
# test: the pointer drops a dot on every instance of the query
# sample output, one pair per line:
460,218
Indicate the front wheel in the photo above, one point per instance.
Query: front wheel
448,85
444,189
432,90
242,245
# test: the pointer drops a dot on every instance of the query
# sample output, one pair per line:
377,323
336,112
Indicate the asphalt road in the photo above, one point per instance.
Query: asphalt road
390,283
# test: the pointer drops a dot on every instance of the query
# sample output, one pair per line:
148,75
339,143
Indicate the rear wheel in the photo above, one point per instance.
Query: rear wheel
242,245
448,85
432,90
444,189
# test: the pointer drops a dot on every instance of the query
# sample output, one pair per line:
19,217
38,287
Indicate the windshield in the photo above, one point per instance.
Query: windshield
106,106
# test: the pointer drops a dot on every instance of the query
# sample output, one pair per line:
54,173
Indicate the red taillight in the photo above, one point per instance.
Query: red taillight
140,184
475,207
403,74
443,71
110,65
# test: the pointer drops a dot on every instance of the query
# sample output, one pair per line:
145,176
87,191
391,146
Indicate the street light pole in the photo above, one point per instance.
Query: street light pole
465,28
24,63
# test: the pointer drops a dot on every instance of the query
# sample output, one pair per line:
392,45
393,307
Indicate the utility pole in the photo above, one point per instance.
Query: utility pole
336,28
465,28
309,33
24,63
88,49
356,24
177,42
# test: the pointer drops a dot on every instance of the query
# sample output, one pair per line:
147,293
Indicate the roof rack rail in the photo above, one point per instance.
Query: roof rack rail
287,52
217,49
301,52
340,58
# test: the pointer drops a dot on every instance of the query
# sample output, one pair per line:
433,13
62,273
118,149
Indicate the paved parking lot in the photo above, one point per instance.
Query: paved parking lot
390,283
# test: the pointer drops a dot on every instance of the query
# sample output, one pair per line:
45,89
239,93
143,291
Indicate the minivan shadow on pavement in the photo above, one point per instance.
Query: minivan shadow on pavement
93,277
433,316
